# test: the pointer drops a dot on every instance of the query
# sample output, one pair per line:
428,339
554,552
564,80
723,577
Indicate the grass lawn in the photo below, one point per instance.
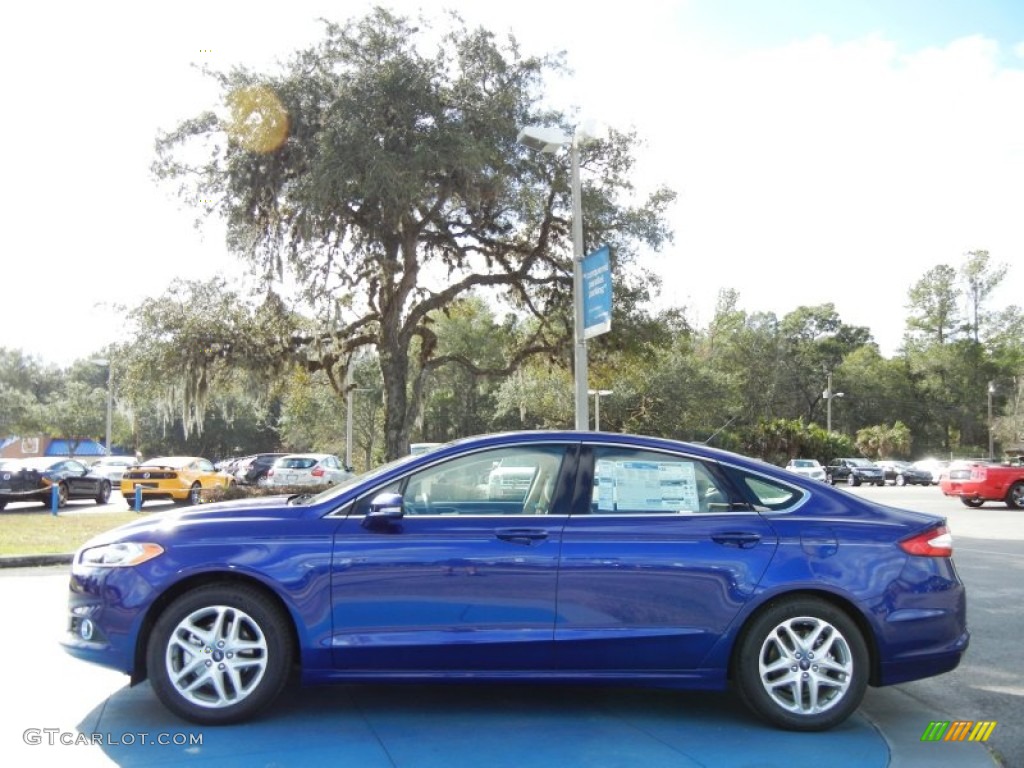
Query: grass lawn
40,533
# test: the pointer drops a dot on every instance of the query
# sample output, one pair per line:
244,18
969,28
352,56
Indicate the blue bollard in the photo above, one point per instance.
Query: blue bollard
54,498
138,498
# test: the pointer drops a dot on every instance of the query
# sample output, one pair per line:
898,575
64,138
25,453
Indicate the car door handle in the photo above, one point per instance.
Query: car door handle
741,539
522,535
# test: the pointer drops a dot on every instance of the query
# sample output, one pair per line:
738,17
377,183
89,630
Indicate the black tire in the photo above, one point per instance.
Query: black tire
852,479
254,649
973,503
103,494
62,495
786,703
195,495
1015,496
880,483
3,503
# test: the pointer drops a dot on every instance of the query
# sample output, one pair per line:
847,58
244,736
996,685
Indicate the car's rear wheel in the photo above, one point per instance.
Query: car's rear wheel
219,654
975,503
103,494
901,480
801,664
195,494
1015,496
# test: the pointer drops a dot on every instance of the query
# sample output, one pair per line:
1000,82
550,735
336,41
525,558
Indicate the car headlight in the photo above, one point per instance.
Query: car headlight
121,555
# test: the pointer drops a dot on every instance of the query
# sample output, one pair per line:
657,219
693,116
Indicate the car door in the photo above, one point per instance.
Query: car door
465,578
76,476
658,557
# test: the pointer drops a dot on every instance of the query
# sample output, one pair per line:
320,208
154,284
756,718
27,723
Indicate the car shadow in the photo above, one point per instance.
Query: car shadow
419,726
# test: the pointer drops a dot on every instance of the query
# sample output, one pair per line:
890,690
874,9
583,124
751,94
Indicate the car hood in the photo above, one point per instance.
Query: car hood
242,510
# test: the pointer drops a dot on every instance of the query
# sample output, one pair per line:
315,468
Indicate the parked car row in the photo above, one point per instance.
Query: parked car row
857,471
279,469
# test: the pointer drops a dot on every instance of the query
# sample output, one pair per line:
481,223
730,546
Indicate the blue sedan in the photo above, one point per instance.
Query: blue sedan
544,556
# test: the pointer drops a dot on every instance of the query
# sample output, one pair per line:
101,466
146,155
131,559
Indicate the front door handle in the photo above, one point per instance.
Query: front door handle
522,535
740,539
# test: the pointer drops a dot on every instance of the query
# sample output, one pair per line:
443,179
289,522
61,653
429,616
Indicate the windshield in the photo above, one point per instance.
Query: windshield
861,463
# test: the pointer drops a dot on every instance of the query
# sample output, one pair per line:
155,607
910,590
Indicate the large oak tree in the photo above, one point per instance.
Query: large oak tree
380,171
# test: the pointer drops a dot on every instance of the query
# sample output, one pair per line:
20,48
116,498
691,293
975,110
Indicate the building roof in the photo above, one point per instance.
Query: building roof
61,447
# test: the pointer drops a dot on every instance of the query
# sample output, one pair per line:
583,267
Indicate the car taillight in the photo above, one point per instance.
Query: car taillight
938,542
318,472
979,473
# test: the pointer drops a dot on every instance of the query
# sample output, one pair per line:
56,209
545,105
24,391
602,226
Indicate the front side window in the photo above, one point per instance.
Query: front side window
518,480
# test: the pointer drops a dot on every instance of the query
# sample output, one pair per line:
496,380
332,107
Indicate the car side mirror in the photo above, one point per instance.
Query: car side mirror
385,508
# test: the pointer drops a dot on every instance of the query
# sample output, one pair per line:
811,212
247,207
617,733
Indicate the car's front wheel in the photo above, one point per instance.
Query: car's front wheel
219,654
801,664
103,494
901,480
852,479
1015,496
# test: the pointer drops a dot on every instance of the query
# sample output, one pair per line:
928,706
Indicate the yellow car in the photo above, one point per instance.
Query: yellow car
182,478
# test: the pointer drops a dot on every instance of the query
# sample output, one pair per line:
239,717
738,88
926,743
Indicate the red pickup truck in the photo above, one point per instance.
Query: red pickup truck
976,482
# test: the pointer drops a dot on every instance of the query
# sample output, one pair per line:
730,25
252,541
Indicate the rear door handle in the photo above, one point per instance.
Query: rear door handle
522,535
741,539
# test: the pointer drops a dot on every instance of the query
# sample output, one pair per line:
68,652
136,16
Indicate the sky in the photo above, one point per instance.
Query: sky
822,150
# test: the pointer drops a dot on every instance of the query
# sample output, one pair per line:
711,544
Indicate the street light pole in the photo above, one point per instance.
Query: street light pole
549,140
348,416
991,444
580,357
598,394
828,394
110,397
110,405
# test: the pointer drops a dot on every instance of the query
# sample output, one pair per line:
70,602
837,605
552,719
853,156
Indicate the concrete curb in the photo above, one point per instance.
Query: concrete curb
33,561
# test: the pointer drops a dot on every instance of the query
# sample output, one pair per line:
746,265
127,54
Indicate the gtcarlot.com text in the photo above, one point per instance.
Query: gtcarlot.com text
53,736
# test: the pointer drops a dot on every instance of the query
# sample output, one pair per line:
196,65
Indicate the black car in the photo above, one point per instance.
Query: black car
256,468
904,473
854,472
33,480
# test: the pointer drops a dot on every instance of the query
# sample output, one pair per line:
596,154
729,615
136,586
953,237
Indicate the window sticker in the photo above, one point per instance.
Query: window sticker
648,486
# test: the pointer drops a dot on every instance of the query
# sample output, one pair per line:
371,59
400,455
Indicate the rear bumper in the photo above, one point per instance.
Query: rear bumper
924,665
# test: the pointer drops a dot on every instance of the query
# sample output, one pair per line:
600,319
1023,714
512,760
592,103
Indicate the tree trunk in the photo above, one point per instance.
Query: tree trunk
394,367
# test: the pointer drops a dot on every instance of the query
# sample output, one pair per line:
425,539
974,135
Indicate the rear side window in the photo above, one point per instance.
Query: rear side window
630,481
769,494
